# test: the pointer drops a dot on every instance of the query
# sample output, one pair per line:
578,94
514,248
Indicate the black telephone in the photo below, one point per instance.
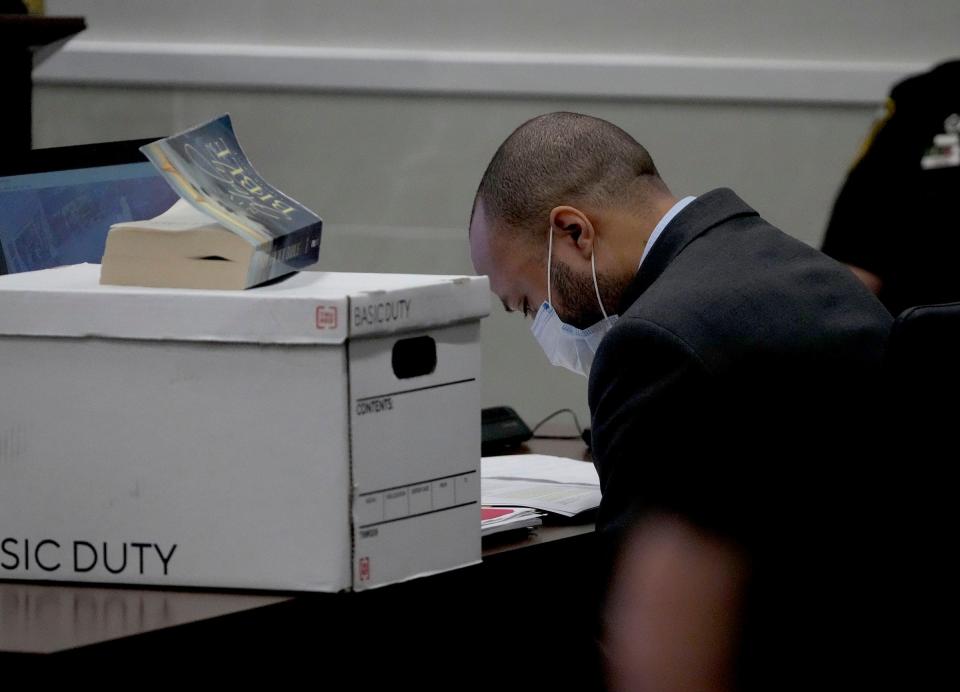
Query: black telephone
502,430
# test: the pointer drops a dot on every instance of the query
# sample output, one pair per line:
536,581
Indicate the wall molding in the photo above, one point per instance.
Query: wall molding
471,72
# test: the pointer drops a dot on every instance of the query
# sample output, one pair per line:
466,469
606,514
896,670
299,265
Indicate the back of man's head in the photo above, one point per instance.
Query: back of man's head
563,159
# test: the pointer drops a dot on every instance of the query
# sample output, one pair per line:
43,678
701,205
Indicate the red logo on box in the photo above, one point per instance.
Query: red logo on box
326,317
364,569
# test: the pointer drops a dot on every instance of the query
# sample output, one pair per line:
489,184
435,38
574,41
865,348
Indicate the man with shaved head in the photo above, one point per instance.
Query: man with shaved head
732,373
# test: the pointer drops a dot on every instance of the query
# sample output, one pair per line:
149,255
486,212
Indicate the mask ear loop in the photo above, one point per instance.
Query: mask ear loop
596,286
549,255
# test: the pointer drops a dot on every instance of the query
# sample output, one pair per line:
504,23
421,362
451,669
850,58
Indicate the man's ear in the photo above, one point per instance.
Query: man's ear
575,229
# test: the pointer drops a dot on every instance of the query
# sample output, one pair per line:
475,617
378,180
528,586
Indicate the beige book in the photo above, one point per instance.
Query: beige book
182,248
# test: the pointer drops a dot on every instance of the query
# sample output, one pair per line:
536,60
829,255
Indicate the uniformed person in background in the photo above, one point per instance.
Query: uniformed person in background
896,221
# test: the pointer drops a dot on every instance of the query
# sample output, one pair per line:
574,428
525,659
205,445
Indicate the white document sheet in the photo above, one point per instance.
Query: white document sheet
552,484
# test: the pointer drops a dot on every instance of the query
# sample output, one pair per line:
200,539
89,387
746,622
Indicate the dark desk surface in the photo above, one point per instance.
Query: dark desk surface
47,618
51,618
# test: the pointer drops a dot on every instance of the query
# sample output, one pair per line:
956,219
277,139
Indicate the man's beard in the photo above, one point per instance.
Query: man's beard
578,298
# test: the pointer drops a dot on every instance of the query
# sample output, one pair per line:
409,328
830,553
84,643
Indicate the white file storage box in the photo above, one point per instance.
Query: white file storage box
318,434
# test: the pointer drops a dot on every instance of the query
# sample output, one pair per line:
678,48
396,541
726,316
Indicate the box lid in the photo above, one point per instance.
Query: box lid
309,307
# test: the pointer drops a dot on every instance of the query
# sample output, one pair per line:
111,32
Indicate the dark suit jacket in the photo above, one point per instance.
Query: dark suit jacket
736,390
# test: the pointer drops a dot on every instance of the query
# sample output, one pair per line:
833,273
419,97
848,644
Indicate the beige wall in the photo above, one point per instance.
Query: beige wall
874,30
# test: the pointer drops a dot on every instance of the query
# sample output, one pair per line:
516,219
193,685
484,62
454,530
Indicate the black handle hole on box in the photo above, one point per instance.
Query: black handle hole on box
414,357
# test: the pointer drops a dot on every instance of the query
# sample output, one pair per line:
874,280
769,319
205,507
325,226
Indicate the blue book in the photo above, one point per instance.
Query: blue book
231,229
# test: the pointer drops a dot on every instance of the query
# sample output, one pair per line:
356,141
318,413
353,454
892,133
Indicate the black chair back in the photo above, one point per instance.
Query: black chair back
923,365
922,373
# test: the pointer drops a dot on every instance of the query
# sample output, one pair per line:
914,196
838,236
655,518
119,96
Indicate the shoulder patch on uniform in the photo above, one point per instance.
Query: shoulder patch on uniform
883,117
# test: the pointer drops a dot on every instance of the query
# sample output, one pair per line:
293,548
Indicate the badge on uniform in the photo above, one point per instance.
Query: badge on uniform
945,150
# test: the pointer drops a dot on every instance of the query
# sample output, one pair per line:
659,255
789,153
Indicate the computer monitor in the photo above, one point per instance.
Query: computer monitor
56,205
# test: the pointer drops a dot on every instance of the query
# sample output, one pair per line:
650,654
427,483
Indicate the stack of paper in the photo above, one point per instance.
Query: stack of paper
552,484
497,519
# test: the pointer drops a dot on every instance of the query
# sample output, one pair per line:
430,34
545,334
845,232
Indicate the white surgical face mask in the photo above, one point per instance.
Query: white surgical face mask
564,344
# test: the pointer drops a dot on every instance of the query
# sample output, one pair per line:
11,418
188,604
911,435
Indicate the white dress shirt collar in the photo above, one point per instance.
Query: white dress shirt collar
663,222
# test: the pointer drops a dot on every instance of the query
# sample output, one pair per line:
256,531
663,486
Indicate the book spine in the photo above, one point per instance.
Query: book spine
285,254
